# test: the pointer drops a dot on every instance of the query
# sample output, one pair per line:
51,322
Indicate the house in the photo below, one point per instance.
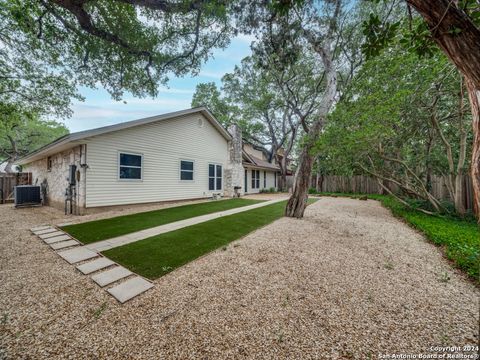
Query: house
176,156
259,172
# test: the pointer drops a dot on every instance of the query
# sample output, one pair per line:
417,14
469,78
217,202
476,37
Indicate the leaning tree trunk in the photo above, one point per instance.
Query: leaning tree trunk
463,49
298,201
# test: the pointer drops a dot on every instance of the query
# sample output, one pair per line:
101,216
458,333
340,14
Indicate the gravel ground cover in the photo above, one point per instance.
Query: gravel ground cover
348,281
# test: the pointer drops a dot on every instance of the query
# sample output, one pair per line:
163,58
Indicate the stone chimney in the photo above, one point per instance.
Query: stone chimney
234,172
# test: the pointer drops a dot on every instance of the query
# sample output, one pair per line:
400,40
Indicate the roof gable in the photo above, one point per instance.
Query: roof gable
73,139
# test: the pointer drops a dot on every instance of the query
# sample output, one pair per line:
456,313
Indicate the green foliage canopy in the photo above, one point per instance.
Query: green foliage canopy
120,45
22,131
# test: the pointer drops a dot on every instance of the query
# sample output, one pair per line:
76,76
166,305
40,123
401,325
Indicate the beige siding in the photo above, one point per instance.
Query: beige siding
163,145
270,181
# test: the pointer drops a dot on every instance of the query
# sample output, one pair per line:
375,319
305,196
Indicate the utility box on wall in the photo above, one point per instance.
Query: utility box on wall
72,179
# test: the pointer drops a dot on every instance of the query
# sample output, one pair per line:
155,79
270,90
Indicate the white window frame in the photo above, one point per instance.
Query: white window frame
215,177
180,170
255,179
136,167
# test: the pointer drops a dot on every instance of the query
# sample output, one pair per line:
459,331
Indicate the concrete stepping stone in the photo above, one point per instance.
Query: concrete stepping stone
56,239
39,228
52,234
46,231
77,254
63,244
95,265
110,276
130,288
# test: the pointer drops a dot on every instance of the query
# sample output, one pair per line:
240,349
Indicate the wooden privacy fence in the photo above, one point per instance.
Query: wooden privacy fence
9,181
368,185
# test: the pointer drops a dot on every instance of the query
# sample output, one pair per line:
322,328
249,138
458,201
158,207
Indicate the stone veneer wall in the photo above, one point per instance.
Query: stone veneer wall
57,177
234,172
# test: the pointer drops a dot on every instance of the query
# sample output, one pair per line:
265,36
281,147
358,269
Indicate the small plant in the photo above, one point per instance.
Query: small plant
4,319
444,277
445,339
166,268
312,191
388,265
280,336
271,190
100,310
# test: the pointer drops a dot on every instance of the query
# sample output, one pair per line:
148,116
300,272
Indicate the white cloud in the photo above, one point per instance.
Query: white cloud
176,91
159,103
212,74
90,117
246,38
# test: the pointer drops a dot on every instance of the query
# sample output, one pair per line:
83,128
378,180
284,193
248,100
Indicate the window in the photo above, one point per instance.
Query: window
130,166
264,179
246,180
275,180
186,170
255,179
49,163
214,177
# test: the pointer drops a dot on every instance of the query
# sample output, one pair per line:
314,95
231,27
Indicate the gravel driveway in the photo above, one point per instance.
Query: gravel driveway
348,281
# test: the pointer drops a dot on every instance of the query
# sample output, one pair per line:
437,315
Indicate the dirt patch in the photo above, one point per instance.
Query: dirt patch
348,281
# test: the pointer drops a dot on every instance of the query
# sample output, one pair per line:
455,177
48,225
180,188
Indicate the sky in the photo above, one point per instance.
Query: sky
99,109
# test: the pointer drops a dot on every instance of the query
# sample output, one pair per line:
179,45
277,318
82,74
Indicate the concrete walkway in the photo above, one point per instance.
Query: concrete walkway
144,234
119,282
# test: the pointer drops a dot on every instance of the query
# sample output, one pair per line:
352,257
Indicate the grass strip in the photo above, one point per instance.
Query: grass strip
159,255
97,230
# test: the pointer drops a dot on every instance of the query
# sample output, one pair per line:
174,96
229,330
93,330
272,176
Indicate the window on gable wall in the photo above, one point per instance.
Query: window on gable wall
186,170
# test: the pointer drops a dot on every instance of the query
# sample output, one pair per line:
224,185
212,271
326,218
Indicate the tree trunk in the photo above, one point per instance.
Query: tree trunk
474,96
458,195
9,166
282,184
298,201
463,49
462,153
283,178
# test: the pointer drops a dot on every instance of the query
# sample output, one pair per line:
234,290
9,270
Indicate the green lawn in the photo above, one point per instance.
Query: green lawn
93,231
158,255
460,238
